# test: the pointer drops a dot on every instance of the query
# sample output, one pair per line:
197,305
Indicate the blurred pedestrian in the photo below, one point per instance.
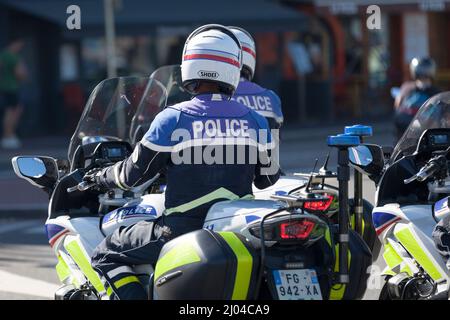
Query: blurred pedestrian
12,72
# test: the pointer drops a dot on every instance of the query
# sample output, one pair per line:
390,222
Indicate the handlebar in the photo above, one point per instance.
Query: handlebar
82,186
432,167
424,173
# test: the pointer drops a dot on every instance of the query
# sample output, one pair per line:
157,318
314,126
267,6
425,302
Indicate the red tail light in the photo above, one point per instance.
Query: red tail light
319,205
296,229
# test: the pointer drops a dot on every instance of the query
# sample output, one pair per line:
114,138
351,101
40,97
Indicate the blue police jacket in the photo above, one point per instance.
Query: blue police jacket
209,148
264,101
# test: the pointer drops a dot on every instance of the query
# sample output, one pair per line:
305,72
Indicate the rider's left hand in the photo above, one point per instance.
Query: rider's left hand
93,176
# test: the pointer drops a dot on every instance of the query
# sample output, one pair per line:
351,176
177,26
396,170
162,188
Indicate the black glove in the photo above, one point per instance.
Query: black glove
93,176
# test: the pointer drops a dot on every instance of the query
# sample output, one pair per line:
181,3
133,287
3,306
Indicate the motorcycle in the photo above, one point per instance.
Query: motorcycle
259,248
413,186
298,183
78,217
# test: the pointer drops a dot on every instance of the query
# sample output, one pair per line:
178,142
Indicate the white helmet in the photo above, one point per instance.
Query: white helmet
212,53
248,51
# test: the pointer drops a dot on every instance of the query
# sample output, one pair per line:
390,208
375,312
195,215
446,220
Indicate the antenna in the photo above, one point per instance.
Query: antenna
324,168
308,185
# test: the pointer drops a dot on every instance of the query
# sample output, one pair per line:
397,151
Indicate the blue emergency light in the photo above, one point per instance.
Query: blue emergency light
343,140
359,130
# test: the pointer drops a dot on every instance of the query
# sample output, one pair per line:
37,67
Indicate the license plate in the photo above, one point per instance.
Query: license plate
298,284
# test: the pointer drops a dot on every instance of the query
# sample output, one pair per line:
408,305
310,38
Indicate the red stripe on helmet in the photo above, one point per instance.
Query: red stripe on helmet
212,57
250,51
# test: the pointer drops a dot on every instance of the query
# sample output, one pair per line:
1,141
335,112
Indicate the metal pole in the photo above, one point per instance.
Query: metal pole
358,203
110,36
358,200
343,178
111,61
343,142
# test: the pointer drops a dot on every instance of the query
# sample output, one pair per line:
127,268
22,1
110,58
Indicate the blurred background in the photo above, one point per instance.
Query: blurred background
319,56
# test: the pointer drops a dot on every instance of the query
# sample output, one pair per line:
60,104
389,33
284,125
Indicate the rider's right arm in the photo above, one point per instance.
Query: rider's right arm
267,169
277,107
149,157
266,175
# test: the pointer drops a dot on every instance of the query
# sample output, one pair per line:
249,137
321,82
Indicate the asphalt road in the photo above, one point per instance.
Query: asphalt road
27,261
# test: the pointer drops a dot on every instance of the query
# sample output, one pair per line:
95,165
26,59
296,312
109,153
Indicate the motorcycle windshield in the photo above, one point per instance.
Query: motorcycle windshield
435,113
170,78
112,108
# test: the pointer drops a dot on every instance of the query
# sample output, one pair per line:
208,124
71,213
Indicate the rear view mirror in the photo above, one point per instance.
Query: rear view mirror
368,159
38,170
31,167
360,156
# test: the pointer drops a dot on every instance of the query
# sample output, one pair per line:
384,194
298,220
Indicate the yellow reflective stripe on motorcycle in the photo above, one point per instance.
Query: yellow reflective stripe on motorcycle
391,257
328,237
78,255
363,226
220,193
406,270
336,265
244,265
409,241
388,272
353,223
337,291
176,257
62,269
109,291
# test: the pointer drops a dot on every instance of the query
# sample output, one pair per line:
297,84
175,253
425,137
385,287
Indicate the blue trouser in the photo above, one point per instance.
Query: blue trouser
139,244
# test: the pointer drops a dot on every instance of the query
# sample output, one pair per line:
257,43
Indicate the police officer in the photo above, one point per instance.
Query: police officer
211,65
264,101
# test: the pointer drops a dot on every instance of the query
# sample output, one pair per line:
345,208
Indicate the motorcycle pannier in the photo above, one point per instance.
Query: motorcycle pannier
360,260
206,265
